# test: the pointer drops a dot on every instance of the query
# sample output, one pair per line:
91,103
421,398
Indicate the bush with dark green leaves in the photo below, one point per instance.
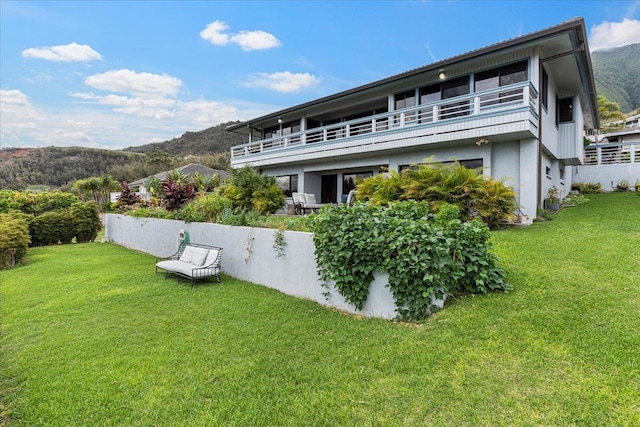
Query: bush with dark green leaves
14,238
86,221
422,252
51,228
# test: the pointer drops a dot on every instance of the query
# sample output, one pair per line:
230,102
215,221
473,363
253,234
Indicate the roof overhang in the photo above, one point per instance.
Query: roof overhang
573,32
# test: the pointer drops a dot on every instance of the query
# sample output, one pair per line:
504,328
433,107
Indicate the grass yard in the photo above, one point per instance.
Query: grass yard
92,337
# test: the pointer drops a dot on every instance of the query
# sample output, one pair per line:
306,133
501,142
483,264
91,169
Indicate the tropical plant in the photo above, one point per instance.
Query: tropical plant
622,185
97,188
127,196
175,195
249,190
476,196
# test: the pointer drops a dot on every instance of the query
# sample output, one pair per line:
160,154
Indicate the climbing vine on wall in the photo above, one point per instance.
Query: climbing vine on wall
421,252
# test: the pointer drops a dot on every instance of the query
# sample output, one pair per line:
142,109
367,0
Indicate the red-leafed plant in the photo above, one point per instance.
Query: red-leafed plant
176,194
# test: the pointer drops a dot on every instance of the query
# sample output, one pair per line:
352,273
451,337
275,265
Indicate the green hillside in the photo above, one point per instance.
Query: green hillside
617,75
209,141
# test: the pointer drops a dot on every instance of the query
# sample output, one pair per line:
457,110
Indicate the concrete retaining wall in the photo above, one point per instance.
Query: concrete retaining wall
249,255
608,175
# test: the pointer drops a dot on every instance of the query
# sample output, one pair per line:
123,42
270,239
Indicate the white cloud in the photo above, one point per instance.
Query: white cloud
152,107
247,40
15,105
609,35
130,82
72,52
207,113
214,33
255,40
283,81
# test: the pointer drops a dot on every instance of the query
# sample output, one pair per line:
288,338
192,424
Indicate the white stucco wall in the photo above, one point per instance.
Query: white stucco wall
607,175
248,254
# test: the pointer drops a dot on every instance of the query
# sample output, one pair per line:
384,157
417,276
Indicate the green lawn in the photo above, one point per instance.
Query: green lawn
91,337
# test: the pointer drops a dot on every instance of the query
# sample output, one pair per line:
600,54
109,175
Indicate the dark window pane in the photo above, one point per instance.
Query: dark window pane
565,110
350,180
430,94
514,73
487,80
544,90
455,87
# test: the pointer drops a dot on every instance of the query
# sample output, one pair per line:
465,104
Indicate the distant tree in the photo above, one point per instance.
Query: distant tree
609,112
96,188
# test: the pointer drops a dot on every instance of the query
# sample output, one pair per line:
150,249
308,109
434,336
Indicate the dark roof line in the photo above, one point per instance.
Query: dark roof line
572,24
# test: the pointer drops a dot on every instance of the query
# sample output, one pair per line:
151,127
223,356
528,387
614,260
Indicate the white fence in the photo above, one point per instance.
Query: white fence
249,254
609,164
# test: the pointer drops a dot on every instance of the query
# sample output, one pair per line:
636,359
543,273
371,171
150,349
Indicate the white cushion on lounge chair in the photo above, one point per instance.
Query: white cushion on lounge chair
199,255
177,267
187,254
298,198
310,199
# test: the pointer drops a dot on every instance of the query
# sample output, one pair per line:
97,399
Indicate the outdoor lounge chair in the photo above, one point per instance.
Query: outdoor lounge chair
193,262
306,203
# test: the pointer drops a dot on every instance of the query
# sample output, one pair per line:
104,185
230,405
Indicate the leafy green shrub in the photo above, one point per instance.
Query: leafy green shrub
589,187
239,217
249,190
14,238
51,228
476,196
421,252
35,203
205,208
86,221
574,200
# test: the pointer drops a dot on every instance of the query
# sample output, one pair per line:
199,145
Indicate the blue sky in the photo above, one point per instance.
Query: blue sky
124,73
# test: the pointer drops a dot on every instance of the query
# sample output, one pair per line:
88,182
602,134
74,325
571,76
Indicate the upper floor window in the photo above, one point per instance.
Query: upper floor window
564,110
502,76
544,90
405,99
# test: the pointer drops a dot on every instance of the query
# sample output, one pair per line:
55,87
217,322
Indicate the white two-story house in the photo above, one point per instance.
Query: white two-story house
517,109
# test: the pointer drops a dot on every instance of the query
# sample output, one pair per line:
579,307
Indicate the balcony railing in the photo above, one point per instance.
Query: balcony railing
609,154
465,107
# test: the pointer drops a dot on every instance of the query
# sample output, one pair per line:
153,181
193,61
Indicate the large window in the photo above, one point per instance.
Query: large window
288,183
405,100
349,180
498,77
445,90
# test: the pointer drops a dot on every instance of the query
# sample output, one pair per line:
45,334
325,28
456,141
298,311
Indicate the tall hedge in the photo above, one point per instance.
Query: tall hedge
35,203
14,239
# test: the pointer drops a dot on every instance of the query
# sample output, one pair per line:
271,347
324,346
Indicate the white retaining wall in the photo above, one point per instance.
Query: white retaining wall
249,254
608,175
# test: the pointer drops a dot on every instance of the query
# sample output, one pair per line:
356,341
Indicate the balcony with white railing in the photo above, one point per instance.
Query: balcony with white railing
506,108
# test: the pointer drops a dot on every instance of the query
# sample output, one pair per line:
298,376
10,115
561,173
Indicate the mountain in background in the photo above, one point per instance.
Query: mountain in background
57,166
617,75
209,141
